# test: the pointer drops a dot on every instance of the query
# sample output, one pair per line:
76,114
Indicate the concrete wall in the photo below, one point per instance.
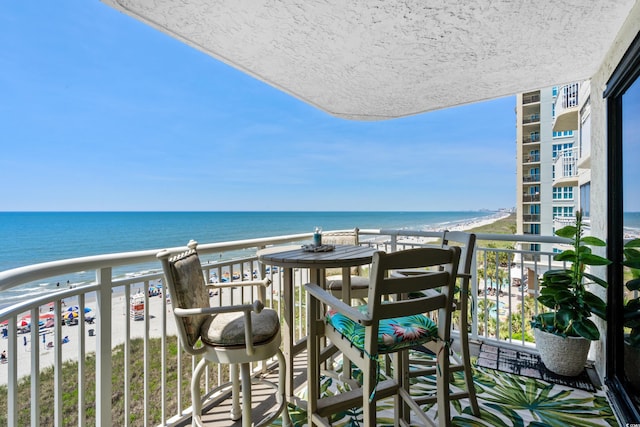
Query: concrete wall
599,209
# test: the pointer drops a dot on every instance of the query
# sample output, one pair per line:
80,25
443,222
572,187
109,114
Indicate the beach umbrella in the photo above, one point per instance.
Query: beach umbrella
73,308
87,310
70,315
45,316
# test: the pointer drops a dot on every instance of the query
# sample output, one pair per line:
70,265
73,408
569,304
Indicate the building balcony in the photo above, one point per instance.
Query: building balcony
531,119
531,218
134,366
531,159
531,178
530,99
567,107
530,198
531,139
565,168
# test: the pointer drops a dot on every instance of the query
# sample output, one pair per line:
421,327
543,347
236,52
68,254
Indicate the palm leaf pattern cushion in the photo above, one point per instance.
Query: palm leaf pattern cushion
393,334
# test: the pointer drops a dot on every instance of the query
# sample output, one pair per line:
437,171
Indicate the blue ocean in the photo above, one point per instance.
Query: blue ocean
34,237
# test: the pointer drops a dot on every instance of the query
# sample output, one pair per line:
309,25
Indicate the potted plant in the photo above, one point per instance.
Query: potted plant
564,334
632,314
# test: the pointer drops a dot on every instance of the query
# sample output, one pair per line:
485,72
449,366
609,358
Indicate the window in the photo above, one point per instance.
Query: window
562,193
558,148
585,199
562,212
563,134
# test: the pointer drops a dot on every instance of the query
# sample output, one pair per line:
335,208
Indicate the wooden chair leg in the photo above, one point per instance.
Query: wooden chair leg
466,356
369,375
442,384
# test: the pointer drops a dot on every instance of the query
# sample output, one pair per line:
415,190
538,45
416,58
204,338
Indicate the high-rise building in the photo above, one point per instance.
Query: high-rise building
553,176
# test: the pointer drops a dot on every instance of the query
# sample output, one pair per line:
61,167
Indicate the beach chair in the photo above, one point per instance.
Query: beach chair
237,335
367,333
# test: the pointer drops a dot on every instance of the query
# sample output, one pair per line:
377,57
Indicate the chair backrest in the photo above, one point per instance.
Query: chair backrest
467,243
343,237
346,237
388,294
186,284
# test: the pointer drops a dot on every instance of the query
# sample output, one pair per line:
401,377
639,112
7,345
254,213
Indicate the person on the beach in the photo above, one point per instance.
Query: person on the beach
3,356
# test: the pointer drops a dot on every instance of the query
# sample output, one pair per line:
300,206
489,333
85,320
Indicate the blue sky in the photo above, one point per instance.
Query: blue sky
100,112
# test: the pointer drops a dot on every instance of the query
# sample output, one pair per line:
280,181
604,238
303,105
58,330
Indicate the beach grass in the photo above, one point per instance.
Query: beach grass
136,369
502,226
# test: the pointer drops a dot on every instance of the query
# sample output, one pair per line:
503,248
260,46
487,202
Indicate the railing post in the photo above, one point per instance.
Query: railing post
103,348
12,384
474,295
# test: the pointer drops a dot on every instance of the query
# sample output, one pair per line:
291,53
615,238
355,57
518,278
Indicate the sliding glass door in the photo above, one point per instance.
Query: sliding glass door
623,104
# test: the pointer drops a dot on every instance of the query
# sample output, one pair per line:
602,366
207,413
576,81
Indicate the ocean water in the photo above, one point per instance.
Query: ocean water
34,237
632,223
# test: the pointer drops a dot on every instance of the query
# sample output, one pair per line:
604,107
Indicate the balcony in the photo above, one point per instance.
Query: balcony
531,139
565,167
531,218
531,178
530,99
502,279
531,159
529,198
567,108
533,118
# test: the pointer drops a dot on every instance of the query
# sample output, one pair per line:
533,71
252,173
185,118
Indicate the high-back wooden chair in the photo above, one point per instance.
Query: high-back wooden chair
390,323
232,334
460,361
359,284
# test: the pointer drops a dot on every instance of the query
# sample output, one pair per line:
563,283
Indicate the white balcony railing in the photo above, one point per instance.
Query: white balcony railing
502,280
566,108
565,168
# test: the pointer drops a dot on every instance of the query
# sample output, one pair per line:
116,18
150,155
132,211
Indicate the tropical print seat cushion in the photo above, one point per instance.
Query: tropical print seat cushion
393,334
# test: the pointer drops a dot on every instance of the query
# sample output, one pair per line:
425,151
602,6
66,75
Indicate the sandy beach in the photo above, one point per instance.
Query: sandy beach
119,314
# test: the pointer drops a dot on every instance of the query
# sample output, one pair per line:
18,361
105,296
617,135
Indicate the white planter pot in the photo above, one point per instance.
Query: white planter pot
563,356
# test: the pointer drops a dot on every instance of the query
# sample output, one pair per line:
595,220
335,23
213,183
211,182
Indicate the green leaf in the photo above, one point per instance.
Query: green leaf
596,304
569,231
635,243
633,284
631,253
586,329
591,259
596,279
632,263
568,255
593,241
564,316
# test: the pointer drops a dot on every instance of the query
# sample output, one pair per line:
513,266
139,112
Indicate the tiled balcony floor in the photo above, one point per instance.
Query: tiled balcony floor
504,399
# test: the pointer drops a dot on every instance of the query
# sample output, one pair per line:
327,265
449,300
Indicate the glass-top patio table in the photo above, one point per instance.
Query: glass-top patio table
290,257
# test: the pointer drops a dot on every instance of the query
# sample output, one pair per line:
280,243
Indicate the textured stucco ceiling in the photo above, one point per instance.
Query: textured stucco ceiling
378,59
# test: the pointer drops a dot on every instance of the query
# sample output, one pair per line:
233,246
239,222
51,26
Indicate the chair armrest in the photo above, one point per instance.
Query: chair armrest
264,283
257,306
336,304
